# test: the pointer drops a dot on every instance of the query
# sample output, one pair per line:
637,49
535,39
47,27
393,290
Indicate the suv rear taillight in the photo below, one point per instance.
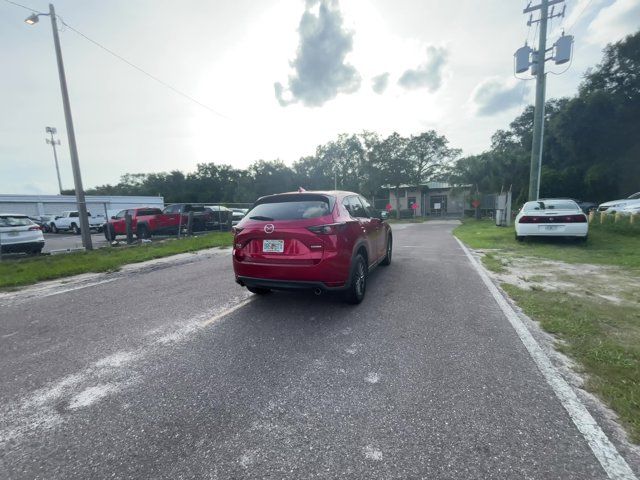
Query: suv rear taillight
580,218
328,229
236,230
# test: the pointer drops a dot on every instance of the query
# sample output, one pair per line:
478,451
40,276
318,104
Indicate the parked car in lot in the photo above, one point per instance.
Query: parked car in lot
19,234
551,218
237,215
145,221
631,210
222,217
69,221
618,205
203,218
310,240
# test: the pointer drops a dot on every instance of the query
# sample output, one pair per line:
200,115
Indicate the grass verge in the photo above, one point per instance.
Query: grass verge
603,338
18,272
607,244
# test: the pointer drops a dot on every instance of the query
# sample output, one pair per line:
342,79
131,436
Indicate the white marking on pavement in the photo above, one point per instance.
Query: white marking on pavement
90,395
116,360
226,312
372,377
371,453
612,462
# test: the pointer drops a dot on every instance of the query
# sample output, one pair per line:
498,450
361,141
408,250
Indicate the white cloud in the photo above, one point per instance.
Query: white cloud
379,83
614,22
427,75
494,95
320,69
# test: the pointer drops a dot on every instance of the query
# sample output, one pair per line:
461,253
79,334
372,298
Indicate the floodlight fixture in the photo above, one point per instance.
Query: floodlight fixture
31,19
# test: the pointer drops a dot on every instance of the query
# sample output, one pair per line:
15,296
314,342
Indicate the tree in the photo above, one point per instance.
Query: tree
394,163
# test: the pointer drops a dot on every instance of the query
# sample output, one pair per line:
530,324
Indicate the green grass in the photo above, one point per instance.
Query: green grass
609,244
603,338
492,263
17,272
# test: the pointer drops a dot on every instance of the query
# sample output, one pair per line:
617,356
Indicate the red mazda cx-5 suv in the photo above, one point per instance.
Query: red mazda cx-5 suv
310,240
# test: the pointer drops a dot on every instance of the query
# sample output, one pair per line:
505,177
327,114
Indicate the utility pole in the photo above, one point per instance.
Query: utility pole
53,142
73,150
538,113
536,59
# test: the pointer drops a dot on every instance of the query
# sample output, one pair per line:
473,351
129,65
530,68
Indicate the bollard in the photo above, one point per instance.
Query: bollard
129,229
190,223
632,218
592,216
617,217
602,217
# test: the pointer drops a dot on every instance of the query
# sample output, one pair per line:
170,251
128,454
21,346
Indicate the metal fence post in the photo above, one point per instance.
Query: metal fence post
106,224
127,222
190,223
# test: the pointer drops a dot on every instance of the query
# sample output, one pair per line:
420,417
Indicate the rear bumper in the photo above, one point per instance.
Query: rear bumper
22,247
286,284
558,230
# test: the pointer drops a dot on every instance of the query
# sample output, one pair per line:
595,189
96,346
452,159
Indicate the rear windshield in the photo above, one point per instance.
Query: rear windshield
551,205
291,207
9,221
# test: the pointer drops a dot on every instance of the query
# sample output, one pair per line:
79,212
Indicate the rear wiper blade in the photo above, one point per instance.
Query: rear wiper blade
260,217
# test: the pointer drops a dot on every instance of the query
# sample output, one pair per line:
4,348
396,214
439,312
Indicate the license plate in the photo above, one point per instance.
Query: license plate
273,246
549,228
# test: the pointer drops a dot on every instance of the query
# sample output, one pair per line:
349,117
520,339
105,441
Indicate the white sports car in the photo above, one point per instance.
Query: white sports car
551,218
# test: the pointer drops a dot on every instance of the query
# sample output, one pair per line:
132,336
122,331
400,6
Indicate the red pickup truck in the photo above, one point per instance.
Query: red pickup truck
148,221
144,222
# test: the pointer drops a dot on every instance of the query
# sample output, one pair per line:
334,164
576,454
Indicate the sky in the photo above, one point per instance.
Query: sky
277,78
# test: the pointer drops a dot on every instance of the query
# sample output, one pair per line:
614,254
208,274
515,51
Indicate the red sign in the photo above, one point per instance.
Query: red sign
475,203
388,207
414,206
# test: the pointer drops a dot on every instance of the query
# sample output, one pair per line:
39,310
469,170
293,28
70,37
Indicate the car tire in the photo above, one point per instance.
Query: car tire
387,259
259,291
583,239
37,251
520,238
358,281
54,229
75,229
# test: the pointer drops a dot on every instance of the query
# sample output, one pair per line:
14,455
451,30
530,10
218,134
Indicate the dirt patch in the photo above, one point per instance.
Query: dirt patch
610,284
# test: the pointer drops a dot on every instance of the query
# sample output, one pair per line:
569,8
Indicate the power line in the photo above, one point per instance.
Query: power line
579,15
132,65
151,76
21,6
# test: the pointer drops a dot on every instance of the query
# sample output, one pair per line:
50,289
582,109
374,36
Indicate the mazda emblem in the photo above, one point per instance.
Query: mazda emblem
269,228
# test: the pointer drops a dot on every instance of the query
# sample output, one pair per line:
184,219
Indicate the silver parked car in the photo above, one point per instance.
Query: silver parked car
19,234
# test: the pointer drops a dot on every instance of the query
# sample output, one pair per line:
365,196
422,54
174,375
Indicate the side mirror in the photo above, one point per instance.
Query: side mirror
113,217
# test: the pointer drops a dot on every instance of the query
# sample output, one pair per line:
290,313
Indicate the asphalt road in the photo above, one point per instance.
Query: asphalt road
136,375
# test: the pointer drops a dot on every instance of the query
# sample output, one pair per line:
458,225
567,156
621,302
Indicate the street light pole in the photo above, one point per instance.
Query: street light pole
73,150
53,142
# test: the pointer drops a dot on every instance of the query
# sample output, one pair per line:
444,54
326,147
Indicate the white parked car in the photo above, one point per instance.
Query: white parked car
19,234
618,205
631,209
551,218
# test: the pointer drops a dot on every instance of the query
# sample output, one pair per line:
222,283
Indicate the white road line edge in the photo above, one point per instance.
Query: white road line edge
226,312
612,462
